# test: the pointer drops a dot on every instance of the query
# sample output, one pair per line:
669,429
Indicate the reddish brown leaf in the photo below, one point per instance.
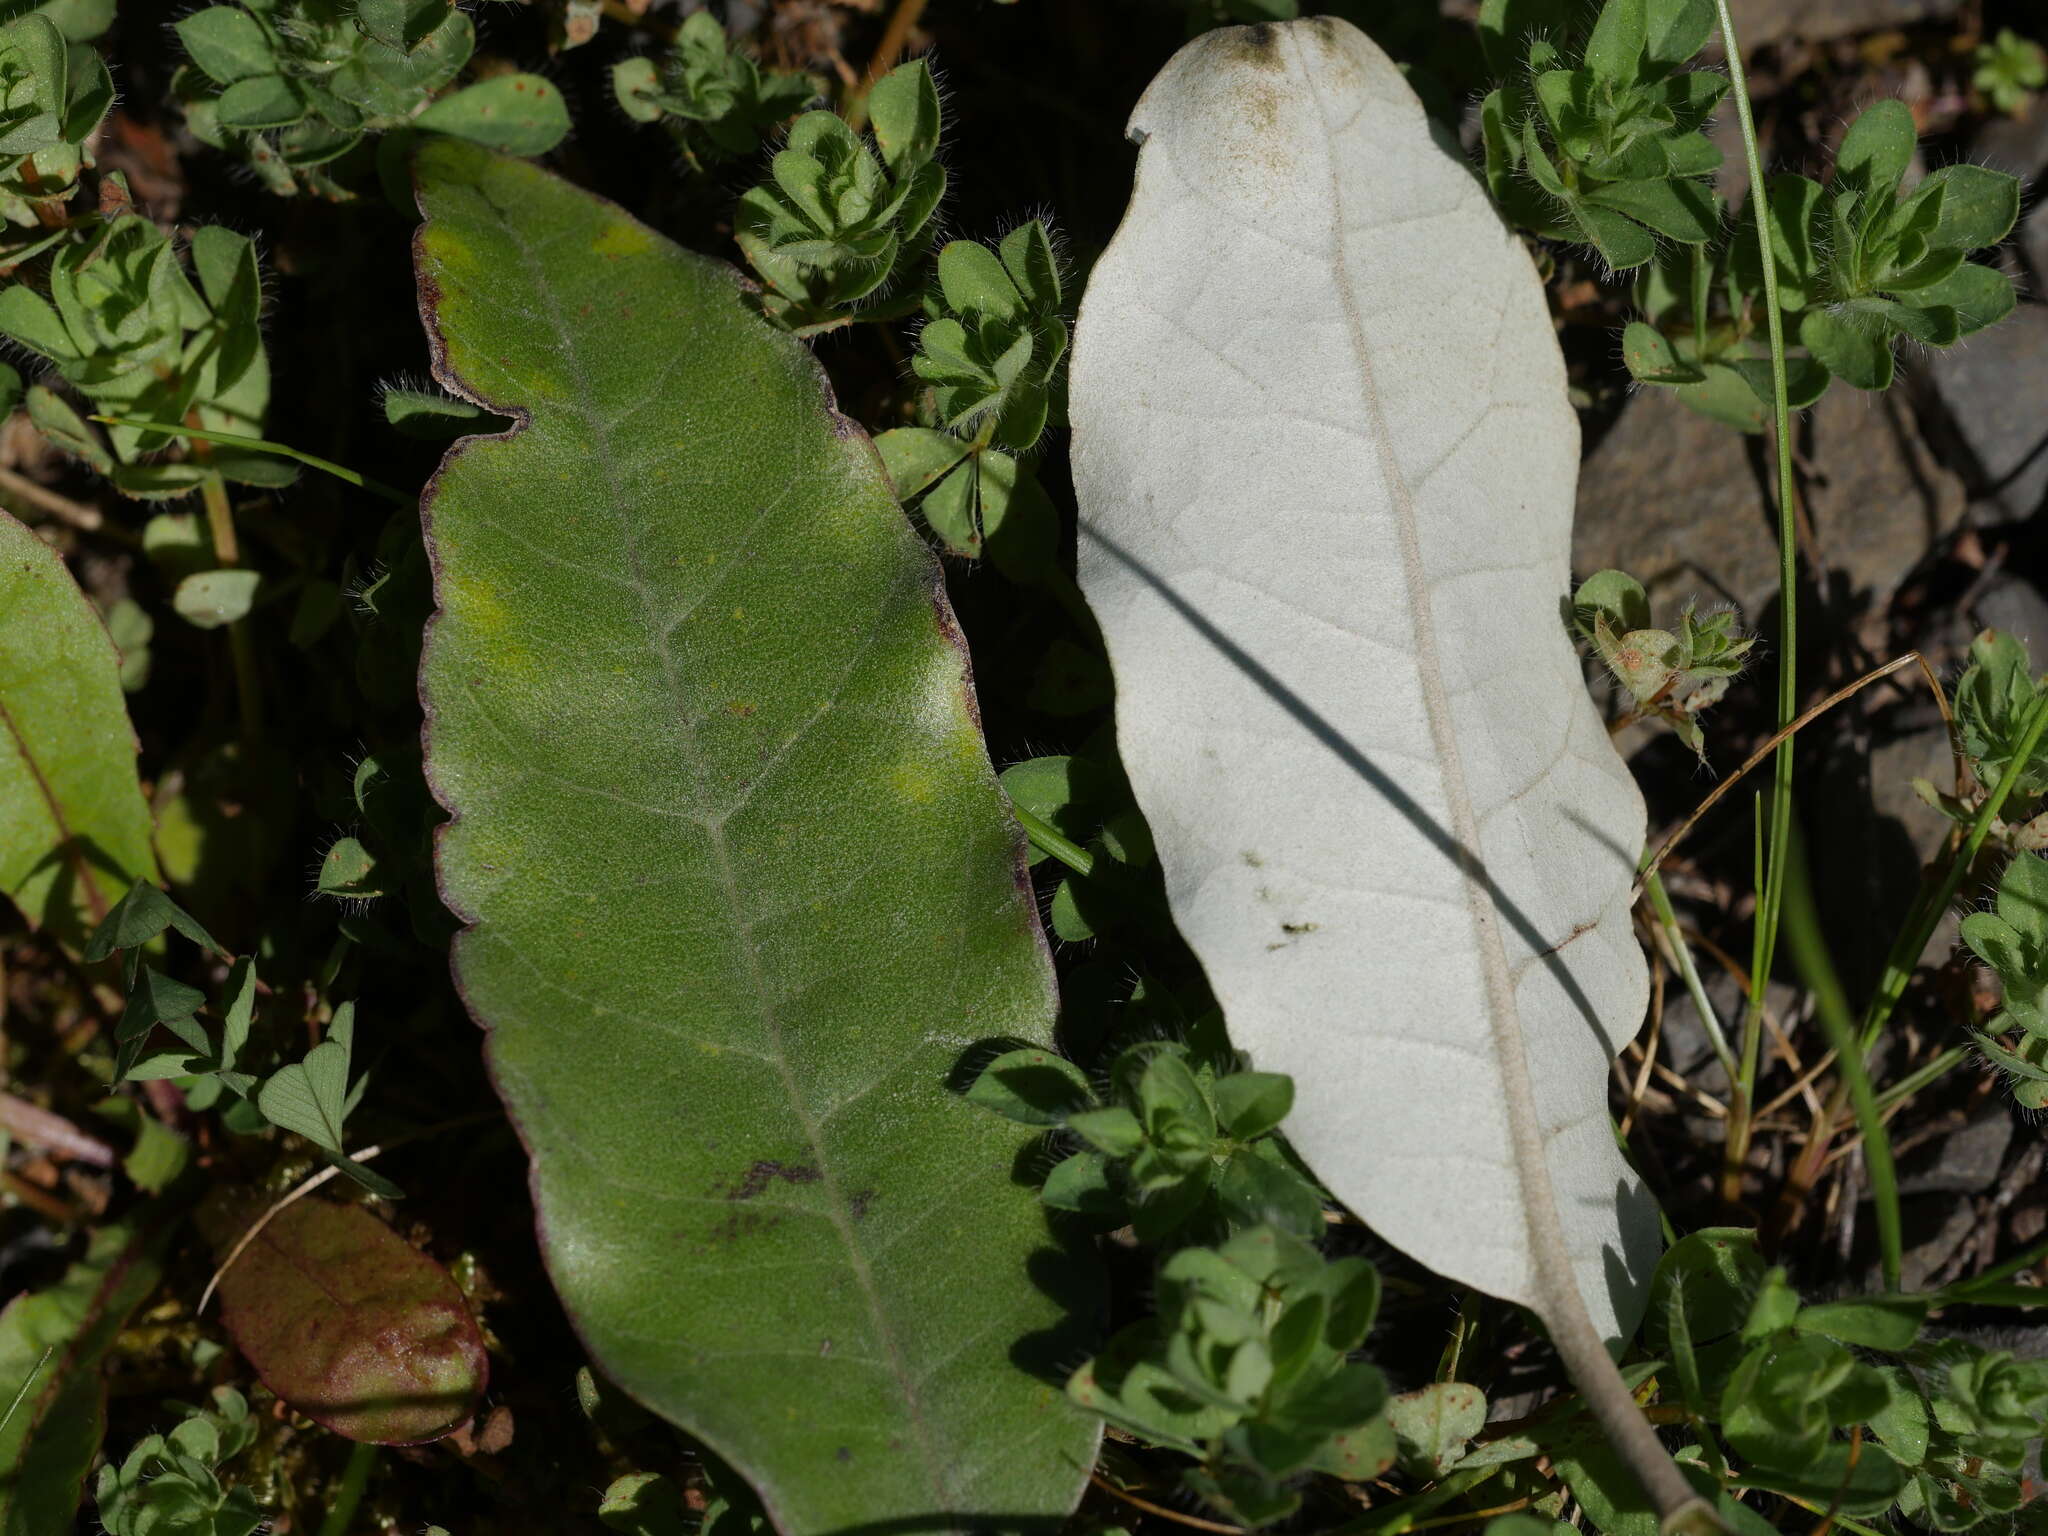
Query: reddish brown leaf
348,1322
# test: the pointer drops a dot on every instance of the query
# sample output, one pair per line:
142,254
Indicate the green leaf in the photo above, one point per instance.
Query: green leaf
1979,295
675,684
1080,1184
645,1503
1978,207
347,1321
1033,265
209,599
1114,1131
520,114
1252,1103
434,417
74,828
401,24
261,101
1877,148
1684,210
973,280
27,317
1854,352
1621,242
1677,30
1032,1087
1433,1425
140,915
1889,1323
916,457
1614,50
904,108
311,1098
56,1343
1650,358
227,43
1724,396
1806,380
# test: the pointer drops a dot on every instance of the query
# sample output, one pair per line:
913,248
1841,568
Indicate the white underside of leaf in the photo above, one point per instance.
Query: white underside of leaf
1326,467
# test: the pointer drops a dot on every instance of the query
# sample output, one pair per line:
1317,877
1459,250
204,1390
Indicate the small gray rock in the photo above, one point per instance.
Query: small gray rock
1994,389
1686,1048
2017,145
1768,21
2015,605
2034,247
1964,1162
1895,764
1936,1226
1673,499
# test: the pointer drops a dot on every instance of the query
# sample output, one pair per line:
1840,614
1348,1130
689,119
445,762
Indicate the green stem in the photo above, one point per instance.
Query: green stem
1962,1290
1933,1072
264,445
1912,940
348,1496
1667,920
220,527
1770,897
1877,1145
1047,840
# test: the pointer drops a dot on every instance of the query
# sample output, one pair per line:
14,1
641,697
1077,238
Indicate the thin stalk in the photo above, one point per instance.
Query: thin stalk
1047,839
220,526
1770,895
340,472
1912,940
348,1496
1905,954
26,1382
1742,1090
1667,920
1962,1290
1933,1072
1877,1146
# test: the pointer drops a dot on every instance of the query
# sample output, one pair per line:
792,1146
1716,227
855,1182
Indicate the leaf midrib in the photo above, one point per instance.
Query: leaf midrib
686,737
1527,1142
95,898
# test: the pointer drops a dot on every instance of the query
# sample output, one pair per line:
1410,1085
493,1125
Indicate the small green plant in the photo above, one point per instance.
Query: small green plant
292,86
715,102
53,94
1673,676
840,215
169,1485
312,1097
2010,69
2013,940
1248,1366
126,327
990,352
1837,1404
1864,262
1173,1146
1078,809
1861,263
1600,142
1701,337
1994,700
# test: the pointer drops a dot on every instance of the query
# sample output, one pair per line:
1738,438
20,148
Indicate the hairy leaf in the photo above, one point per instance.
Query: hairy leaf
347,1321
74,828
53,1343
1326,465
739,878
